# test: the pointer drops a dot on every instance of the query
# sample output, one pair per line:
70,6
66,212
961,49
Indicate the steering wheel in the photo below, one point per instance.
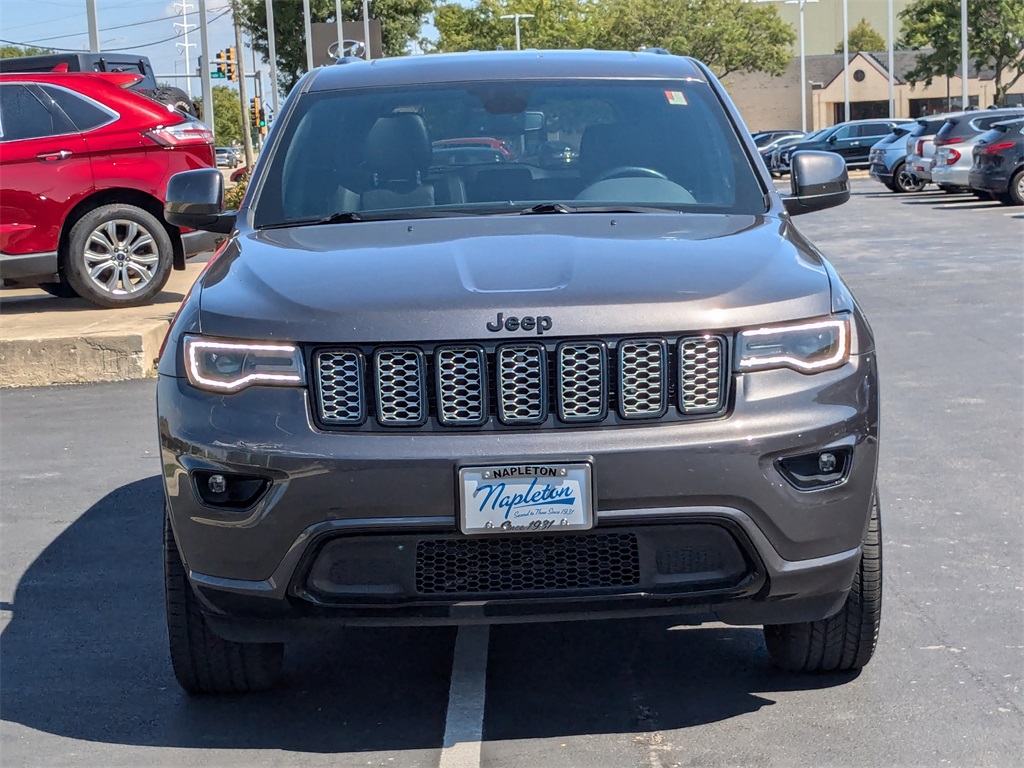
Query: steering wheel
624,171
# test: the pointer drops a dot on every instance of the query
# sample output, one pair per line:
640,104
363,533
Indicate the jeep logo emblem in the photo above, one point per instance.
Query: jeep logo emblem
540,323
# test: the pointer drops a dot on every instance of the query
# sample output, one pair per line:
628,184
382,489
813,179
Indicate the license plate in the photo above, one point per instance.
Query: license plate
521,498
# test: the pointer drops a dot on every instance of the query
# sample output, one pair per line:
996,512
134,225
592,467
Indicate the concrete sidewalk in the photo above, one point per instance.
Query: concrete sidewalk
45,340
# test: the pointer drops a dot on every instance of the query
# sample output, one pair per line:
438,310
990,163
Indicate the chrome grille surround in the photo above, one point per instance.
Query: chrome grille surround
643,384
701,389
461,385
522,383
340,387
401,387
582,371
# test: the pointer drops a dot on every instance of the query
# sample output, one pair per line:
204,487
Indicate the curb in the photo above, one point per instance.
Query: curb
46,341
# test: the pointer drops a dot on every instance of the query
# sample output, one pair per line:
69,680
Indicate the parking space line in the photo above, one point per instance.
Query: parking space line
464,723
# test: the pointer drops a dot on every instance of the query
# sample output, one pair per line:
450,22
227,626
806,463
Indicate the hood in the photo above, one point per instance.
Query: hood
450,278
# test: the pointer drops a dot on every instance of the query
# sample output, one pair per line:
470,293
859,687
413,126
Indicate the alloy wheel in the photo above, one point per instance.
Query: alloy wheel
121,256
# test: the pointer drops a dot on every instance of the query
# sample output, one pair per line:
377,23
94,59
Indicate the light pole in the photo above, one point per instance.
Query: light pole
94,27
892,75
517,17
185,7
272,52
963,54
803,61
846,62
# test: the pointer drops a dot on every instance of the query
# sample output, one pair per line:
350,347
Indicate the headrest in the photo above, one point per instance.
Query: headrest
397,147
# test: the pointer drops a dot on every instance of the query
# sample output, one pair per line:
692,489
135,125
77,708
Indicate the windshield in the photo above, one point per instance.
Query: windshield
507,147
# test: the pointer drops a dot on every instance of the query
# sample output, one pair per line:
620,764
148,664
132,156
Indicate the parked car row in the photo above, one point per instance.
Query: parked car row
84,165
973,151
852,140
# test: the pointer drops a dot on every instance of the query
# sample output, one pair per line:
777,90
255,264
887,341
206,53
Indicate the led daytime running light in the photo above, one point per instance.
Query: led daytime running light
193,347
842,349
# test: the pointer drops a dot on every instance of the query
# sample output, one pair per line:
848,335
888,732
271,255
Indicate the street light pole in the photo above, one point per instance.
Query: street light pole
892,75
846,62
963,55
272,52
204,71
309,35
94,27
517,17
366,30
803,73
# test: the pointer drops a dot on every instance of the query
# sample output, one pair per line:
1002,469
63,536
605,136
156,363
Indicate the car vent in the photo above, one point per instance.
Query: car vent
573,382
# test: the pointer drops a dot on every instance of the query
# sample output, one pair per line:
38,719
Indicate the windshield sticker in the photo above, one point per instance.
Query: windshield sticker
675,97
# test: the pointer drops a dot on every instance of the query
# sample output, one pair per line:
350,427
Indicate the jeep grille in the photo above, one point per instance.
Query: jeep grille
520,384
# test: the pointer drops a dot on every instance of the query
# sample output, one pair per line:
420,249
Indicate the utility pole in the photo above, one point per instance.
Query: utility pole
366,29
94,27
185,7
240,59
517,17
204,69
309,35
272,52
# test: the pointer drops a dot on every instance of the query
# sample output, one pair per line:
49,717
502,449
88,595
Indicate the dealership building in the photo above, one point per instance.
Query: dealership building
768,102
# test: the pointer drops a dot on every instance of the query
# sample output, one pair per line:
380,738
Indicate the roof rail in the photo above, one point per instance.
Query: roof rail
659,51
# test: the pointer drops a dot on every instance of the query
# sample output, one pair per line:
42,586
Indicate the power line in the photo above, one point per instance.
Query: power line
105,29
126,48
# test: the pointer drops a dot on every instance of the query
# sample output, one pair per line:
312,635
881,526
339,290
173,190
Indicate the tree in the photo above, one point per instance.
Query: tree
863,37
995,39
400,21
14,51
555,24
728,35
227,116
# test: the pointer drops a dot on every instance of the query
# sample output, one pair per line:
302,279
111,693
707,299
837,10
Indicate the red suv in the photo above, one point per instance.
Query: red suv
84,165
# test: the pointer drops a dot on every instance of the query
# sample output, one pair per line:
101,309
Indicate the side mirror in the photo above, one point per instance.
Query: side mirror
819,180
195,199
831,139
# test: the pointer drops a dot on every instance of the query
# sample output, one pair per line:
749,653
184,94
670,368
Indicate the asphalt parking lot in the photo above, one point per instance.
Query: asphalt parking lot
86,680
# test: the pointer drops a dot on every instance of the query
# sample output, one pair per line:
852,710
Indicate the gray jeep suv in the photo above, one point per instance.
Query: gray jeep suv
407,392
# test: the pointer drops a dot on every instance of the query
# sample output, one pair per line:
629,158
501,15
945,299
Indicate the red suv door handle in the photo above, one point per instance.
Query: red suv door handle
54,157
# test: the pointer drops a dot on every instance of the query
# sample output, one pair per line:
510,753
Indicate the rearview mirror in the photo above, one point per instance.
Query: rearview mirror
819,180
195,199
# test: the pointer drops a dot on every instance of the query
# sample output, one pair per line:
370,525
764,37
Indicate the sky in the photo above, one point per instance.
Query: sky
144,26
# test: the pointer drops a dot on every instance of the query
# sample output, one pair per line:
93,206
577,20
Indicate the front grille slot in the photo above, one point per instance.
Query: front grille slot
700,374
527,563
401,395
340,382
521,384
643,393
461,385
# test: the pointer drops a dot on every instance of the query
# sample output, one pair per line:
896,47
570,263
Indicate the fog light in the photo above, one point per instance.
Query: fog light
826,463
217,483
812,471
228,490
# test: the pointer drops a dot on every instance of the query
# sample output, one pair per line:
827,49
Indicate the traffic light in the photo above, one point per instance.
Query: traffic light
254,110
219,58
263,120
230,60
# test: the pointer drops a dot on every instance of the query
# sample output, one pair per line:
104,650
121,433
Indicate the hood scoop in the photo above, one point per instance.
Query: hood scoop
502,270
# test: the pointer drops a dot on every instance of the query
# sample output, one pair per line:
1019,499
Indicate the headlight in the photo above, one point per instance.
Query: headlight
808,347
228,366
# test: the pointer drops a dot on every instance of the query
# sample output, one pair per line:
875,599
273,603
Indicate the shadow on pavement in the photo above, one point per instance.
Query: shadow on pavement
13,304
85,657
628,677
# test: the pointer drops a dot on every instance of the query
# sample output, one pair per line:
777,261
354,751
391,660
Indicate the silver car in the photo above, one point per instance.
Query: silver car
954,145
921,144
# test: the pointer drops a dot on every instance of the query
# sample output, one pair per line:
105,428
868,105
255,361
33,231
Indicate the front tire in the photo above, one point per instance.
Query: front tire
118,256
847,640
202,661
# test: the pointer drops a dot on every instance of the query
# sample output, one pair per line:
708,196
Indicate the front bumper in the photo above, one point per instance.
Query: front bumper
253,568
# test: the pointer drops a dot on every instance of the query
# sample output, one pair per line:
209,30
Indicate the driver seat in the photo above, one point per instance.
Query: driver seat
398,154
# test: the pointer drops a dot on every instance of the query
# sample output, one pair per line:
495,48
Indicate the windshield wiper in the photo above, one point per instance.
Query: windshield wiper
543,208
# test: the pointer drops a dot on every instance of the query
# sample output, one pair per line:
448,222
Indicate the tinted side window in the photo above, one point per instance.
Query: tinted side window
23,116
84,114
873,129
846,132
